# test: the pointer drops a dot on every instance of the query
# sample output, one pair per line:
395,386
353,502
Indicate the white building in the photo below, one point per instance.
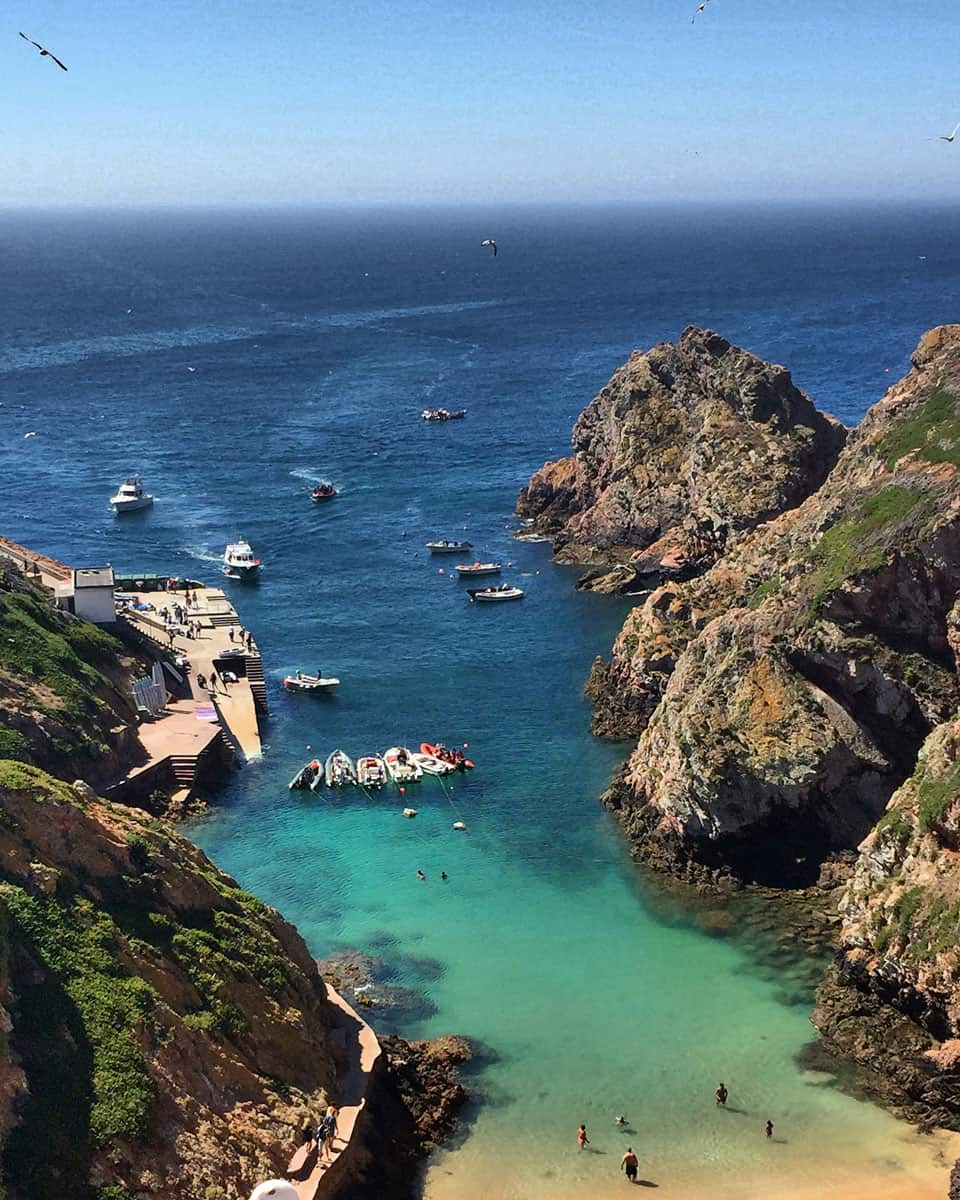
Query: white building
89,594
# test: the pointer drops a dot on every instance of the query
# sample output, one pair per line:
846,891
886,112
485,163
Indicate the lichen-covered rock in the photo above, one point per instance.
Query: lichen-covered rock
688,445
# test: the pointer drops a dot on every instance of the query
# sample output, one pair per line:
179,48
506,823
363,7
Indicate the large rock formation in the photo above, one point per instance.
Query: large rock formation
782,697
687,446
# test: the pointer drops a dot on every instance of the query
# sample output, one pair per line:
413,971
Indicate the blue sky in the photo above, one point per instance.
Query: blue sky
231,101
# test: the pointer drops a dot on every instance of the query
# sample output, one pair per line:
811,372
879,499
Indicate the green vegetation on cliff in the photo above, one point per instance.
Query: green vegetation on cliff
932,430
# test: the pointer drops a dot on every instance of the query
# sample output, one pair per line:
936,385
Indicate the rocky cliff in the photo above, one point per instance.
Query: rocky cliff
781,698
687,447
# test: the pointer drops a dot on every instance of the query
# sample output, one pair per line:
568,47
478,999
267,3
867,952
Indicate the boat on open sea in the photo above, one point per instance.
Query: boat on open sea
400,765
469,570
239,561
310,683
308,777
445,546
340,769
495,595
131,496
371,772
443,414
323,491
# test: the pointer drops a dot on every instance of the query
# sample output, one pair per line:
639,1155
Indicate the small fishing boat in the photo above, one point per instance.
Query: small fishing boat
443,414
310,683
400,765
409,812
371,772
445,546
430,764
308,776
131,496
477,568
340,769
455,757
239,561
494,595
323,491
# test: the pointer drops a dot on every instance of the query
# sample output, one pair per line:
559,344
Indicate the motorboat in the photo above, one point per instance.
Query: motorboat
400,765
239,561
131,496
310,683
308,776
430,764
323,491
340,769
455,757
371,772
442,414
445,546
468,570
495,595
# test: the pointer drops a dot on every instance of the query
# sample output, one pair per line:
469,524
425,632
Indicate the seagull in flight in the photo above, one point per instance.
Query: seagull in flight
492,244
948,137
700,8
43,53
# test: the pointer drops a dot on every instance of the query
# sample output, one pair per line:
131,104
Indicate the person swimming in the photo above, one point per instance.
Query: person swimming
621,1120
420,875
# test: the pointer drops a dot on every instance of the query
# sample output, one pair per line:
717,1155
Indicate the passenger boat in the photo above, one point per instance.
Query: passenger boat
400,765
340,769
310,683
445,546
323,491
239,561
455,757
131,496
430,764
494,595
477,568
442,414
308,776
371,772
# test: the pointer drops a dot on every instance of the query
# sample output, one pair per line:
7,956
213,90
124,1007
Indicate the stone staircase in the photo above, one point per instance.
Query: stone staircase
184,769
258,685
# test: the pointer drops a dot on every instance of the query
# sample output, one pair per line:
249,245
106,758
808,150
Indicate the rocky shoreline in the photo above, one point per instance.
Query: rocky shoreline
789,674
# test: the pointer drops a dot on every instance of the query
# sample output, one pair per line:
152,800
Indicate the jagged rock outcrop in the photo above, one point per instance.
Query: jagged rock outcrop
168,1033
688,446
782,697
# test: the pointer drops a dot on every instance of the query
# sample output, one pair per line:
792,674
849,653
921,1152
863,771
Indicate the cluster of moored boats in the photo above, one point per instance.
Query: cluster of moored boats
373,771
484,595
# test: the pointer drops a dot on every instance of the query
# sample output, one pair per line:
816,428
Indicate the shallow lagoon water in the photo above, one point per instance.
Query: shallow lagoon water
314,345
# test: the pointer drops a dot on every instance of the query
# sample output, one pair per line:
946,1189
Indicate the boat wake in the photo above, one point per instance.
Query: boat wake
202,554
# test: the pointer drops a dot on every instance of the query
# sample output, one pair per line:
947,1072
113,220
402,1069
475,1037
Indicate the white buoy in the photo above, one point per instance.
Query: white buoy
409,812
275,1189
459,825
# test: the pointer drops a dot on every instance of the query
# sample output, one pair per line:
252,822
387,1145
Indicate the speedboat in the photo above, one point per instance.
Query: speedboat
400,765
308,776
323,491
340,769
431,765
445,546
478,568
455,757
131,496
239,561
442,414
371,773
310,683
494,595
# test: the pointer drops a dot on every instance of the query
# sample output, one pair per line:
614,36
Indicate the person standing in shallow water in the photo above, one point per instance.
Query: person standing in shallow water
582,1139
721,1095
629,1164
769,1129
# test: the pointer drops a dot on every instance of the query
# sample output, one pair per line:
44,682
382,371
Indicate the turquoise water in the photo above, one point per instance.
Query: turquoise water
315,340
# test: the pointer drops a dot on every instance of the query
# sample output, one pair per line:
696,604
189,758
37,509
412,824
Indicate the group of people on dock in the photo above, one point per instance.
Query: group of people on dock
629,1163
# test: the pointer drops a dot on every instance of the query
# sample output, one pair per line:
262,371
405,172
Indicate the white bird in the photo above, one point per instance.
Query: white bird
948,137
700,7
43,53
492,244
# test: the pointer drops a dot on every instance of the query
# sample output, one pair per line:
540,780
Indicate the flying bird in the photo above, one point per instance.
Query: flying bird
492,244
43,53
948,137
700,7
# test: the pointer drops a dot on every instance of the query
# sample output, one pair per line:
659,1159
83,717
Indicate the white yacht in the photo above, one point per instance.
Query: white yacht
239,561
131,496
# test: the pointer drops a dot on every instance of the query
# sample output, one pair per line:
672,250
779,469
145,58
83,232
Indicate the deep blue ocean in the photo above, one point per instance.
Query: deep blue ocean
234,358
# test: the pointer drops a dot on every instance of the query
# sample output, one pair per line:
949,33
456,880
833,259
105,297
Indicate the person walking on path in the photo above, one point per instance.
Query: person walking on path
721,1095
321,1136
582,1139
230,633
213,688
630,1164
